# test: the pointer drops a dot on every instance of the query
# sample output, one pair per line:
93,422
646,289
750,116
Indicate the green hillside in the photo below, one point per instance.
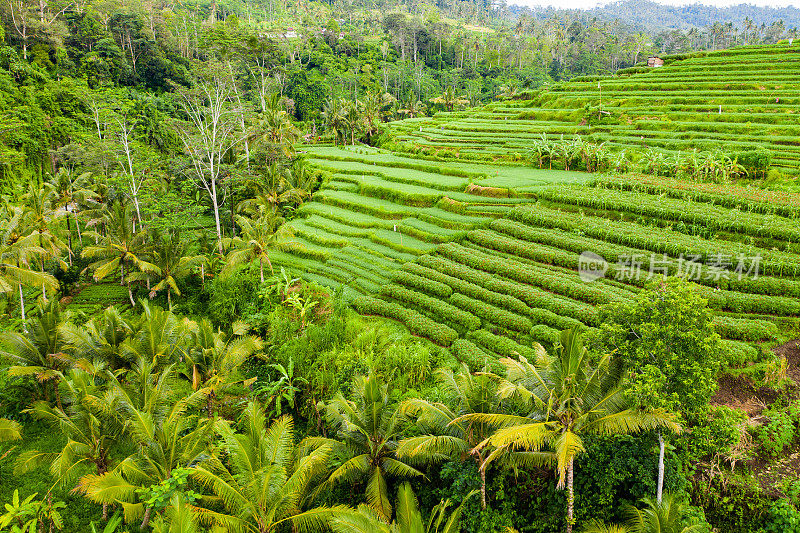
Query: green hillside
734,100
485,259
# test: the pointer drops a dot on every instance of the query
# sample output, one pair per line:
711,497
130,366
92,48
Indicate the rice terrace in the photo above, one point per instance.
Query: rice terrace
387,267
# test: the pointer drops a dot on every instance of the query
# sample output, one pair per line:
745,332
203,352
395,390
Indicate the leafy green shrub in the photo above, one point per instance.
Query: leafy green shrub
477,359
549,318
783,518
545,334
776,433
756,162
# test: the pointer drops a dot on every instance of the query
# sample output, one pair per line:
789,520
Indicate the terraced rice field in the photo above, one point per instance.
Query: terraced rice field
461,256
739,99
93,299
377,211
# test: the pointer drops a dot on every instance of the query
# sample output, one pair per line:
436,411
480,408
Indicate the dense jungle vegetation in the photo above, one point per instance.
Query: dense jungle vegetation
313,266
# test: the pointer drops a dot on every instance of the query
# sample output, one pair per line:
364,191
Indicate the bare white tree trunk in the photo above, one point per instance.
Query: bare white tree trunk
22,309
125,134
660,467
213,118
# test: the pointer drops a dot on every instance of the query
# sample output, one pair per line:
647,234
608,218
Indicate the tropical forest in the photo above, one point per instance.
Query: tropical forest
399,266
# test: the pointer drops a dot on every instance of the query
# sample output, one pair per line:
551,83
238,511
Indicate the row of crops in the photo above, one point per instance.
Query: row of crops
464,259
742,102
376,211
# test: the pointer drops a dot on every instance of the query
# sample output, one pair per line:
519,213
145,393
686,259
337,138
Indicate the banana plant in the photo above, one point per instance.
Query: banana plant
284,390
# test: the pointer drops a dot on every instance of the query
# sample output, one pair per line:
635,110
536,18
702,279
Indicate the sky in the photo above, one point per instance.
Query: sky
588,4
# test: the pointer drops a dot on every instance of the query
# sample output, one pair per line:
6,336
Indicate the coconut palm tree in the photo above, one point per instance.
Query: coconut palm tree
172,264
158,336
408,518
279,185
443,437
333,118
40,219
352,113
259,483
10,430
89,424
413,108
276,130
68,193
120,249
565,400
667,516
448,99
158,419
98,342
39,351
254,243
17,252
367,430
212,358
375,109
179,517
596,526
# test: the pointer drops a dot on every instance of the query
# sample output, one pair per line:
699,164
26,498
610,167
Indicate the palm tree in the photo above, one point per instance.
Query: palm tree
212,358
171,262
413,108
122,247
408,518
259,483
38,352
333,118
367,429
98,342
564,400
280,185
89,424
351,112
16,254
256,238
10,430
67,194
157,420
596,526
448,99
40,219
509,90
375,107
667,516
445,438
180,518
276,130
158,337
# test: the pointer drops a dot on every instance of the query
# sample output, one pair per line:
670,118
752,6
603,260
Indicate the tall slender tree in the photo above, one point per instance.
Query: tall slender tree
567,399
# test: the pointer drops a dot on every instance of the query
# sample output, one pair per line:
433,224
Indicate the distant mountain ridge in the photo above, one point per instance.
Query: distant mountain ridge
654,16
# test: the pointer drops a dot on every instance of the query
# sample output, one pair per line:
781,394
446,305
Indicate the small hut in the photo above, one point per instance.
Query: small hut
654,61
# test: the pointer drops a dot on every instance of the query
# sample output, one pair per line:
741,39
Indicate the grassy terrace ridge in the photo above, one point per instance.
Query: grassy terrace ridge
376,211
731,100
485,258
